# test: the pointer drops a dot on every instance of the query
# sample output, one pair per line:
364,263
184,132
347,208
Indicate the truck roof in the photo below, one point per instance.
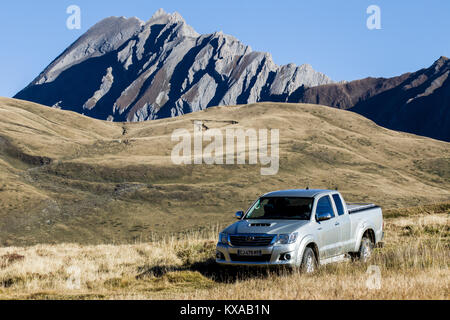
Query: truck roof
297,193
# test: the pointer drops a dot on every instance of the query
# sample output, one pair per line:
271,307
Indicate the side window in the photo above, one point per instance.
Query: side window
338,203
324,206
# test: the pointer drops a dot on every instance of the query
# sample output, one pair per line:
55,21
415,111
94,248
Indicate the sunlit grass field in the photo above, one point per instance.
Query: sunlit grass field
413,264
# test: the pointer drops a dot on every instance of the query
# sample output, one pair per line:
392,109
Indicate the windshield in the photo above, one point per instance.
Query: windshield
281,208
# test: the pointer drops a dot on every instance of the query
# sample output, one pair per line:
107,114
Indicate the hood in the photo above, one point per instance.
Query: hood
265,226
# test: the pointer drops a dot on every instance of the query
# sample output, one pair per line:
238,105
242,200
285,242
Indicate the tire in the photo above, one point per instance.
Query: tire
365,249
309,261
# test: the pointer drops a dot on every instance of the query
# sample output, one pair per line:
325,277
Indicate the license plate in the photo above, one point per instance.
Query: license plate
251,253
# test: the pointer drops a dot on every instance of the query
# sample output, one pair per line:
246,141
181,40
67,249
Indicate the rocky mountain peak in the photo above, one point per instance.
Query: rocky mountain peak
129,70
162,17
442,62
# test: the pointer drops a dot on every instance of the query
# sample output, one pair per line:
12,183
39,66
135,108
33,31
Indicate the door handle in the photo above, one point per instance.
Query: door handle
336,224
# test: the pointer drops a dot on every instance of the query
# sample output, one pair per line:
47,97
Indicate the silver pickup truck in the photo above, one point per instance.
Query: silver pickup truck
301,228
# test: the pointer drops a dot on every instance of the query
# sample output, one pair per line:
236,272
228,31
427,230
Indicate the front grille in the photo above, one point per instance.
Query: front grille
263,258
251,240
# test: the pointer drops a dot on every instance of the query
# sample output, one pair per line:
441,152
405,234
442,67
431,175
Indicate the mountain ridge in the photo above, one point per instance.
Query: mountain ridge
416,102
128,70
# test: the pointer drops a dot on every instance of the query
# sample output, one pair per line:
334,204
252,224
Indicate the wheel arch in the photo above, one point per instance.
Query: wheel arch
314,248
308,242
366,232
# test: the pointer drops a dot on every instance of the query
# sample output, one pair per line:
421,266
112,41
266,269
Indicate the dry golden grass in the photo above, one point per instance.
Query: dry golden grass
68,178
414,264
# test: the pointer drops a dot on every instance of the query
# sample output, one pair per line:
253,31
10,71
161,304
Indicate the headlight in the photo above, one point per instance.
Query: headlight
223,238
287,238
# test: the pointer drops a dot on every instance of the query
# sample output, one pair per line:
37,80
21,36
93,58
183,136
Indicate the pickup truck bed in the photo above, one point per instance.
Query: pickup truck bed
358,207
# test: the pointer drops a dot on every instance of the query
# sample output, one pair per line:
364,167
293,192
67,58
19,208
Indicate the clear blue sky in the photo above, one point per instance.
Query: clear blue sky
330,35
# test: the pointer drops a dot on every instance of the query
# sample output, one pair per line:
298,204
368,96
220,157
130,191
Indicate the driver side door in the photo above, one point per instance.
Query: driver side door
328,235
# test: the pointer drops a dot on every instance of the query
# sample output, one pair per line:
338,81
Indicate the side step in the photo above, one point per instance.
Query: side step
335,259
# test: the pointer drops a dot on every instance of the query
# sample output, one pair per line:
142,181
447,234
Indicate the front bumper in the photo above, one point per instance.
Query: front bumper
272,255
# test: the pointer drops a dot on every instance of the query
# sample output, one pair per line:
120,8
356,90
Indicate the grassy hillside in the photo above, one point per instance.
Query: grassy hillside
414,264
68,178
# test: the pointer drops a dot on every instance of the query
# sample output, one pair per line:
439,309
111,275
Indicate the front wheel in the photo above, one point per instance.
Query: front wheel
309,261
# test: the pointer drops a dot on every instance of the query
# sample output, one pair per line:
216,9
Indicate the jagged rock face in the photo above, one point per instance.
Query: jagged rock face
127,70
416,102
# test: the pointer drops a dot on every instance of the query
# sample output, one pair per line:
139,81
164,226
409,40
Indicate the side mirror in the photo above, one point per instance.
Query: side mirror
324,217
239,215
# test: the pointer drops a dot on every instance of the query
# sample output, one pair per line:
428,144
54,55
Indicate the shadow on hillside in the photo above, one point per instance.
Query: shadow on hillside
218,273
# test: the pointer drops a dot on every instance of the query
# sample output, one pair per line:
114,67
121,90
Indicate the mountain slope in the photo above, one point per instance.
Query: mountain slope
128,70
65,177
416,102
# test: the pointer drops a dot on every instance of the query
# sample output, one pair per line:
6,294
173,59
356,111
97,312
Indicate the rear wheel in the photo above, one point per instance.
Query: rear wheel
365,249
309,261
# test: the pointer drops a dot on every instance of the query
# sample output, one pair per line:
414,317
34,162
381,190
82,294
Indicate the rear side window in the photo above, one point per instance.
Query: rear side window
338,203
324,206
